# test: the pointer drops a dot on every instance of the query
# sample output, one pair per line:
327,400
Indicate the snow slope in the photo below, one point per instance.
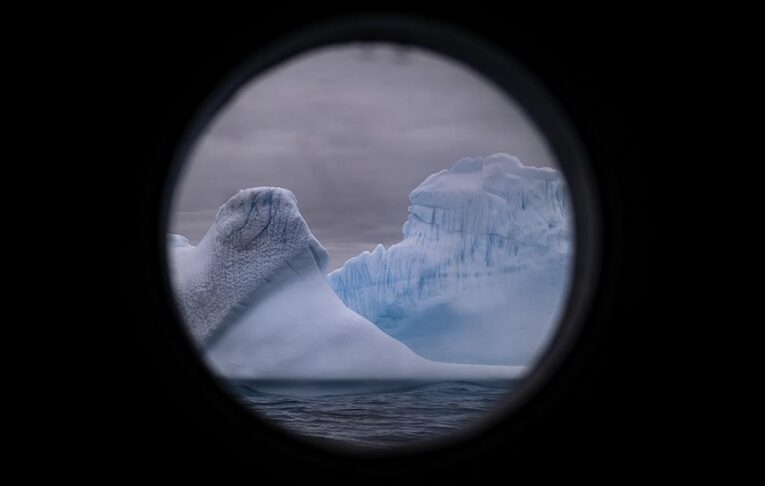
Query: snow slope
481,273
256,298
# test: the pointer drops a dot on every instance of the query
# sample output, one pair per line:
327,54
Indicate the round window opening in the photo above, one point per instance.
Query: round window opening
372,245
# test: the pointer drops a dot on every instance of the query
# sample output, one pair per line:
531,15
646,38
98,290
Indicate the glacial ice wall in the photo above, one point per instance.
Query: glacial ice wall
481,228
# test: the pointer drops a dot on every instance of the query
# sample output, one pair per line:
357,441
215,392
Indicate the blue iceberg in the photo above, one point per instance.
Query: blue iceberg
482,271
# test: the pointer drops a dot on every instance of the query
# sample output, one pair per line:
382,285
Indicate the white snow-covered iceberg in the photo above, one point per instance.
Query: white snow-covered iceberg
256,298
482,271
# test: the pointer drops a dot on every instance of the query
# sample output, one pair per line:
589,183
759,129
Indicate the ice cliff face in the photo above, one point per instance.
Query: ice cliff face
255,297
480,273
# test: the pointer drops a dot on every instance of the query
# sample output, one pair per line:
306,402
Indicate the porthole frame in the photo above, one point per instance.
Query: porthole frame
499,67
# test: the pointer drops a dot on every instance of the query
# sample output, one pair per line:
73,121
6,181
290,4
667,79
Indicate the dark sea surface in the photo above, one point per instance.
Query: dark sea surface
373,414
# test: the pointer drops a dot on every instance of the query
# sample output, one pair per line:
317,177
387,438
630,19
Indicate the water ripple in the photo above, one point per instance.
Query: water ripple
377,419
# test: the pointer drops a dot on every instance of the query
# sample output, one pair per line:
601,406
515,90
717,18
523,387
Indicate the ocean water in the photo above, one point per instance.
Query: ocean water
372,414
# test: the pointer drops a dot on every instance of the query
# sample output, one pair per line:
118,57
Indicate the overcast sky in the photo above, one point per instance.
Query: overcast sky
351,131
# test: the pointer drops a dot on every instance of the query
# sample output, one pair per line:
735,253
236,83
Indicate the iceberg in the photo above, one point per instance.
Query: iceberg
482,271
256,298
256,234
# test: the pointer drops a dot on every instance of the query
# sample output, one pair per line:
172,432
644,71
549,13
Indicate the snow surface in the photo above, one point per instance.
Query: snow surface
256,298
481,273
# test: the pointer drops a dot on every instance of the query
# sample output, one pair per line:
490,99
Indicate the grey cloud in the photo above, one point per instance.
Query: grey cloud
351,131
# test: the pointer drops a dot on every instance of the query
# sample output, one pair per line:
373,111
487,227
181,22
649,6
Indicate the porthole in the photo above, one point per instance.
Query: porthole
380,235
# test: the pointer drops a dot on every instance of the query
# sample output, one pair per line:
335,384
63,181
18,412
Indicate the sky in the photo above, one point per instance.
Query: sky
351,130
